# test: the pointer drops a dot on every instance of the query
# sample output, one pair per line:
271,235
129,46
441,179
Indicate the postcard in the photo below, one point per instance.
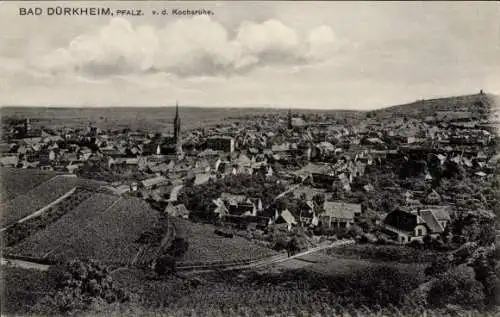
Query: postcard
249,158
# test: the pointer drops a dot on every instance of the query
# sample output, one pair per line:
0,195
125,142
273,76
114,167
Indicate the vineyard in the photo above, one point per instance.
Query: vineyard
21,230
206,247
17,182
40,196
104,227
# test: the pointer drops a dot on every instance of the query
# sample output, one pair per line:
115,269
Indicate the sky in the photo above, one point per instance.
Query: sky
327,55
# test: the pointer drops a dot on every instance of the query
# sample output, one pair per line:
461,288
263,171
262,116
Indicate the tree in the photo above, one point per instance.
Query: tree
456,289
482,259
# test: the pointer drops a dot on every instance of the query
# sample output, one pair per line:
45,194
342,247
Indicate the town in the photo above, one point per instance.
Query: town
315,160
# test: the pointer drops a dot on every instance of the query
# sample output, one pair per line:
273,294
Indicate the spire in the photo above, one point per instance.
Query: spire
290,118
177,130
177,122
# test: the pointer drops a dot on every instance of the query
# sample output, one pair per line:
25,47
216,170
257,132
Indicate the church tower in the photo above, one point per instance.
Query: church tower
27,125
177,131
290,119
177,123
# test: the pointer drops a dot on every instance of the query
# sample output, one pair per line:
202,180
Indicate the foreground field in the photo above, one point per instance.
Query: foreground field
104,227
207,247
367,292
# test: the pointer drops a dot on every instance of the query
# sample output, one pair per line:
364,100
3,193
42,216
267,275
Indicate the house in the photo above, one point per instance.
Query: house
153,182
407,226
307,214
321,174
10,161
121,189
287,218
224,144
339,214
72,167
177,210
232,200
201,179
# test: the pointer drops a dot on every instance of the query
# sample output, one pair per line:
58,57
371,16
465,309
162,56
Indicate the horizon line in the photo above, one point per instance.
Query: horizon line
270,107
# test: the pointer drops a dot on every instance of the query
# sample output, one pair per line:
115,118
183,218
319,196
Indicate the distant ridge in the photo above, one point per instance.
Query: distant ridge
427,107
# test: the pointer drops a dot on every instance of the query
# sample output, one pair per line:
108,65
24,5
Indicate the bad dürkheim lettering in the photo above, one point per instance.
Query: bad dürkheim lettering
67,11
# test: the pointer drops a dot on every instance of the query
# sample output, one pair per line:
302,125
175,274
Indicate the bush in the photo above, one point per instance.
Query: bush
165,265
178,247
456,289
80,285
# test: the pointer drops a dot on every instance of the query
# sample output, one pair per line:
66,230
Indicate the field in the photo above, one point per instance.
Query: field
396,253
40,196
20,230
104,227
15,182
154,118
207,247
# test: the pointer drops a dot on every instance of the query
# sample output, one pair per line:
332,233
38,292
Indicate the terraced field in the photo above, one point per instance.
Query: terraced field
207,247
21,230
104,227
15,181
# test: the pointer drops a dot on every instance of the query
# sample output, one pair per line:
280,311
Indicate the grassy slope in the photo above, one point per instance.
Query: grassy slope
423,108
206,246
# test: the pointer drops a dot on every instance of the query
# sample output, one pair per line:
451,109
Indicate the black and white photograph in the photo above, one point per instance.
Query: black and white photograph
249,158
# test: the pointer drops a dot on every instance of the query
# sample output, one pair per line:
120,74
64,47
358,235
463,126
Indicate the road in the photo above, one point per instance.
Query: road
267,261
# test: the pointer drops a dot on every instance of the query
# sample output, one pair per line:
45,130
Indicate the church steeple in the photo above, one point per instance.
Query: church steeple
177,122
177,130
290,118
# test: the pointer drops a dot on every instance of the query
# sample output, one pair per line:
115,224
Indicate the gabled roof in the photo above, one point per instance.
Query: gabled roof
341,210
431,221
441,213
176,211
401,220
232,199
154,181
201,178
288,217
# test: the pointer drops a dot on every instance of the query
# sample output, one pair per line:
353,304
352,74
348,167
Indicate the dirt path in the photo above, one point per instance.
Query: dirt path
24,264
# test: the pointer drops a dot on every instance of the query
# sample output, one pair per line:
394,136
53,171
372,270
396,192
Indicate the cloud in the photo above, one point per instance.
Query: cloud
198,46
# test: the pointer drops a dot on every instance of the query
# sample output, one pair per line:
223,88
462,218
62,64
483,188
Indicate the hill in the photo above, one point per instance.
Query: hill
475,104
